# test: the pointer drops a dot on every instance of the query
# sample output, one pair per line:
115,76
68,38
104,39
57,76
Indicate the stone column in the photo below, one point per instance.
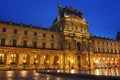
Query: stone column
20,60
61,60
31,60
8,58
51,61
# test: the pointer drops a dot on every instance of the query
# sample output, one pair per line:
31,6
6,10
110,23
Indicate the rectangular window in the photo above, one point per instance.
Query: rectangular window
24,43
43,45
2,41
52,45
44,35
4,30
15,31
25,33
35,44
35,34
52,36
78,46
14,43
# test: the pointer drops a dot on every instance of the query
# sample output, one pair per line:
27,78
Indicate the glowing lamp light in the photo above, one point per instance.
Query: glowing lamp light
96,61
12,55
36,61
47,61
44,57
103,58
24,61
72,71
35,56
72,61
58,70
57,61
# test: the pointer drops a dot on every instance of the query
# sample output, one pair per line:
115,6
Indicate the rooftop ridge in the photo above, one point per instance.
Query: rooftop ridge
22,25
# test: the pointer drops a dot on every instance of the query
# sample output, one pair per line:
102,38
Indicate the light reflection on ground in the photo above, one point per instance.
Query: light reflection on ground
32,75
106,72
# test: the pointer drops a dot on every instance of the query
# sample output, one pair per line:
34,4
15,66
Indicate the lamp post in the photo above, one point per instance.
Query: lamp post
45,61
36,62
24,62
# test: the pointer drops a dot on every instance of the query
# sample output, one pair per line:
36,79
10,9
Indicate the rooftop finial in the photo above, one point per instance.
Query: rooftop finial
59,6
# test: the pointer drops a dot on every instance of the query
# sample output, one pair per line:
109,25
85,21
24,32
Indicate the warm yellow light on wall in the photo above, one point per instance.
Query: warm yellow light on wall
99,58
103,58
44,57
96,61
57,61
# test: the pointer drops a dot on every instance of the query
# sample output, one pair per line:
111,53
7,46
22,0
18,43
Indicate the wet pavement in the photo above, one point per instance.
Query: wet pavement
31,75
105,72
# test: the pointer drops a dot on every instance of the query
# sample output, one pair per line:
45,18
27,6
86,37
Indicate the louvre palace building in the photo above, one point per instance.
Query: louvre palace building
67,44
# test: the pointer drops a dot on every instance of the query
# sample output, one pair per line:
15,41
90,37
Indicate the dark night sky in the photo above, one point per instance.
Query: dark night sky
103,16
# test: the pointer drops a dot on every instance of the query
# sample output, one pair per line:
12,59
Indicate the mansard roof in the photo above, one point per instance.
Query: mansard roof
23,25
104,38
69,11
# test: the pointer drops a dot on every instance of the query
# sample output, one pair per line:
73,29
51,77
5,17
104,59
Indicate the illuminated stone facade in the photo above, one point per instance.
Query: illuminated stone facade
66,44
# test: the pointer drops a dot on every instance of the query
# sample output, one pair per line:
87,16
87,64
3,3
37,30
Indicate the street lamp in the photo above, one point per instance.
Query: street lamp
36,62
24,62
45,61
47,64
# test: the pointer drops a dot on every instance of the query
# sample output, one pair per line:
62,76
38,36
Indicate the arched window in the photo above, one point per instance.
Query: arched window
2,57
35,59
46,59
78,46
13,59
25,59
56,60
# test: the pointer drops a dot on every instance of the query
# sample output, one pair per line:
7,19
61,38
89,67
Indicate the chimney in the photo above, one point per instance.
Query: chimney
118,36
80,13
